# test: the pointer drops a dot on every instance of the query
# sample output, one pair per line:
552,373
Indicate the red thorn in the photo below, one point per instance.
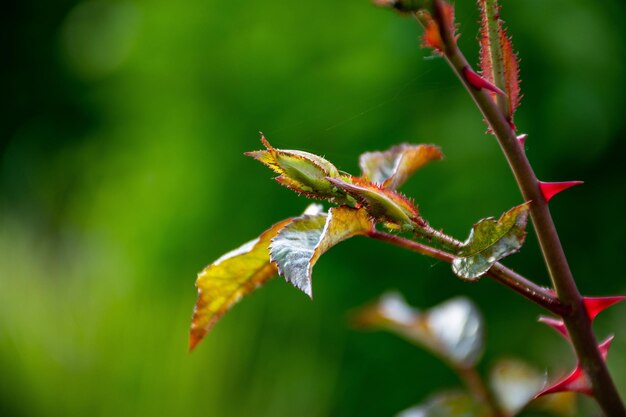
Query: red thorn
479,82
550,189
577,381
605,346
556,324
595,305
522,139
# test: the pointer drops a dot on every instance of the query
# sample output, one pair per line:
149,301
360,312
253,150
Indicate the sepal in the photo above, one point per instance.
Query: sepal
303,172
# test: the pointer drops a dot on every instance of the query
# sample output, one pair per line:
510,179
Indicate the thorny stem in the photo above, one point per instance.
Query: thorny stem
502,274
575,316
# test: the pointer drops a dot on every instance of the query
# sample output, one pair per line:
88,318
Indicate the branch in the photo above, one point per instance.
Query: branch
539,295
576,318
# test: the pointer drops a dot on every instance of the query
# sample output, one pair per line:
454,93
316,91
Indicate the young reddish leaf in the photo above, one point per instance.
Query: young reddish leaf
225,281
491,240
452,330
514,384
300,171
550,189
479,82
595,305
382,204
511,75
298,246
391,168
498,62
432,35
448,404
432,32
577,381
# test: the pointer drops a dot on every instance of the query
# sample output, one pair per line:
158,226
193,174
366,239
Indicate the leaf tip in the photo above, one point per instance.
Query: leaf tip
550,189
265,142
194,339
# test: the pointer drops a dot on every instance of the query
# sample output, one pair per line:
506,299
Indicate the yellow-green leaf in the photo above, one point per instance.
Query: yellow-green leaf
297,247
391,168
232,276
300,171
382,204
491,240
452,330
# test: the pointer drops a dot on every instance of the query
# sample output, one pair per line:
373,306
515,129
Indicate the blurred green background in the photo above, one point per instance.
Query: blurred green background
122,176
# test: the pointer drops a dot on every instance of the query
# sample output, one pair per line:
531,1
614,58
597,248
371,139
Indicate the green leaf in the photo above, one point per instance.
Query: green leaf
297,247
452,330
491,240
300,171
514,384
448,404
232,276
394,166
382,204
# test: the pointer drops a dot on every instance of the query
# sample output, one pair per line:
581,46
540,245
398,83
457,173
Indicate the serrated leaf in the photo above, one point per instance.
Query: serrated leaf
382,204
225,281
449,404
511,75
297,247
514,384
498,61
452,330
391,168
234,275
491,240
300,171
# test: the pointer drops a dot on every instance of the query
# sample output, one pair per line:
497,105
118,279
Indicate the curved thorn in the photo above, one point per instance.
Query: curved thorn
550,189
595,305
556,324
479,82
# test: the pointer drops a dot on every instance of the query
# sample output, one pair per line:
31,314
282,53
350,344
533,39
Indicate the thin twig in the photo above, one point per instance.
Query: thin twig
539,295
